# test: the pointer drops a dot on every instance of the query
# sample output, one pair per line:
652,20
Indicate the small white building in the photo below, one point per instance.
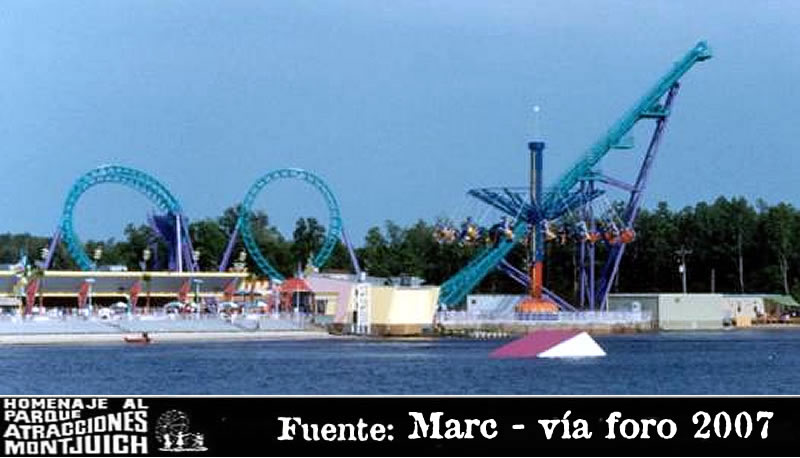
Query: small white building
745,308
493,305
674,311
738,306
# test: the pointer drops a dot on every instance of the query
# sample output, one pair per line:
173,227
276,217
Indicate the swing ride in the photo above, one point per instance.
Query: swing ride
574,210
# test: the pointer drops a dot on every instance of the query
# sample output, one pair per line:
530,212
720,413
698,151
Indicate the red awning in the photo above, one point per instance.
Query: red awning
295,284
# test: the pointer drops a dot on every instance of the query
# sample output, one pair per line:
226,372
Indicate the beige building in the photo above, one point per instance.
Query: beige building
372,307
402,310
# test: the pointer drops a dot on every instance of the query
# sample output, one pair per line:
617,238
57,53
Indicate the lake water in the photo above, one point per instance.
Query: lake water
725,362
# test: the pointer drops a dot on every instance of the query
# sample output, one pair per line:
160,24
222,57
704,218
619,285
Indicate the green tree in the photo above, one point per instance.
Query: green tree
375,253
307,239
781,227
737,226
210,239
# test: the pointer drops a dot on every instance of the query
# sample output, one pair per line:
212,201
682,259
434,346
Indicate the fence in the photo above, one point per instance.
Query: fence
465,318
157,322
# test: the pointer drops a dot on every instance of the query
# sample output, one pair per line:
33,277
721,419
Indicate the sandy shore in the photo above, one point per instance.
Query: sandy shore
40,339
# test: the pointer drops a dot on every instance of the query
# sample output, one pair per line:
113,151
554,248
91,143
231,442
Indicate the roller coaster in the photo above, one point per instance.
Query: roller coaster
574,193
529,219
172,227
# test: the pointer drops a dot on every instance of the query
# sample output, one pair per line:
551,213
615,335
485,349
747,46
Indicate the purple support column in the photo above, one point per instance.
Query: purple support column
178,244
226,258
592,228
188,246
582,278
52,249
582,246
615,256
352,253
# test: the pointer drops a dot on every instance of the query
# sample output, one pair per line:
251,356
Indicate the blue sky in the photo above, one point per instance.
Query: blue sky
400,106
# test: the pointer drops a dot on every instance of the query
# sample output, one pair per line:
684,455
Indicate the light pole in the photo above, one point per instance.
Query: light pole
197,282
240,265
682,253
44,253
196,258
90,281
146,253
98,253
19,287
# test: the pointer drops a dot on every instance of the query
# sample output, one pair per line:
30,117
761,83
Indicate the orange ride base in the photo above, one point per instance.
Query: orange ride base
536,305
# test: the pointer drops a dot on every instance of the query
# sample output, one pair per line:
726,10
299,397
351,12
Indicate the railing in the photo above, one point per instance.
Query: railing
464,318
158,316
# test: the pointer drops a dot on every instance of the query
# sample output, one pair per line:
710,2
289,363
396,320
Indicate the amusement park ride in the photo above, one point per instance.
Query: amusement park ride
172,226
568,203
531,213
332,235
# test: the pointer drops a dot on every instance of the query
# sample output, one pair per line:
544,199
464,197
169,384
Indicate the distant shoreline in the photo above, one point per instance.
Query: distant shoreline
244,336
158,337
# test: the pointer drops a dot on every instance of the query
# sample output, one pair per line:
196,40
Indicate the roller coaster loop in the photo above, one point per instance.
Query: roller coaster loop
332,234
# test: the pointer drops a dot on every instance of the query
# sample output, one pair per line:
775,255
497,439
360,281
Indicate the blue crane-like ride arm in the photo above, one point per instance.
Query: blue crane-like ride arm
647,107
456,288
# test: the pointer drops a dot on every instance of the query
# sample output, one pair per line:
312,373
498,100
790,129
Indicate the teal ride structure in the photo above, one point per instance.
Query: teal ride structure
335,229
573,193
172,226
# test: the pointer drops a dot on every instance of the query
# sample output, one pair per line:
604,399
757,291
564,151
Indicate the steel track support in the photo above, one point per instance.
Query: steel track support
226,257
611,267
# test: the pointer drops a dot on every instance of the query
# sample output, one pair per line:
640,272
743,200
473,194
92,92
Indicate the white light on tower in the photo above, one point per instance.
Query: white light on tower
537,125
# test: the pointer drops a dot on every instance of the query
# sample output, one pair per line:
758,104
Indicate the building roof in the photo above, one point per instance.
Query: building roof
294,284
63,282
782,299
377,281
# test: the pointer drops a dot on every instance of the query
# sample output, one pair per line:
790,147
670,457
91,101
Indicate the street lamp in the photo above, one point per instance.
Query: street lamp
19,287
239,265
98,253
146,253
196,258
90,281
682,253
197,282
44,253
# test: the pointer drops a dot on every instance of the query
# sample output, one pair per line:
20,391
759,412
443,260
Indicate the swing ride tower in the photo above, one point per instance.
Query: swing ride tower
573,193
536,302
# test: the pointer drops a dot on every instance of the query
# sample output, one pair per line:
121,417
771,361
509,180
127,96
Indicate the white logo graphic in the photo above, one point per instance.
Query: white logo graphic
172,432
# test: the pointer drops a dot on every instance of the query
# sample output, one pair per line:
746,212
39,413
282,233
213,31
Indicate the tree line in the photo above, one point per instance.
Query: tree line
735,246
